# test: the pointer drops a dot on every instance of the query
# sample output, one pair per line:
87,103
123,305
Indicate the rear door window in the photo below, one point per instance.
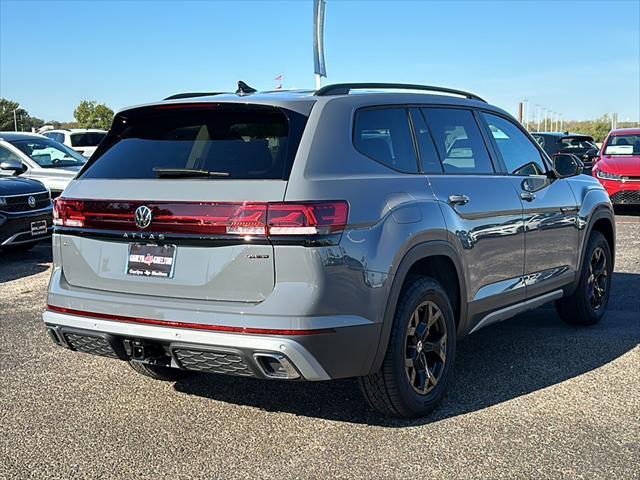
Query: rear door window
227,141
384,135
458,140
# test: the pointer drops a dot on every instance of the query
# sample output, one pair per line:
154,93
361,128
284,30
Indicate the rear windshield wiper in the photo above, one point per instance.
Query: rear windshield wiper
186,173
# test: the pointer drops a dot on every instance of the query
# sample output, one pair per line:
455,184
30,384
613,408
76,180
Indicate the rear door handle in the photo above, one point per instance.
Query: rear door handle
457,199
528,196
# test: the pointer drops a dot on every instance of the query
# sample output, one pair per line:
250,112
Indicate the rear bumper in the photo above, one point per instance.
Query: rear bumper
342,352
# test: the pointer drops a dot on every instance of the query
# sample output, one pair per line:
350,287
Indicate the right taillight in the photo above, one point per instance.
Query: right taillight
319,218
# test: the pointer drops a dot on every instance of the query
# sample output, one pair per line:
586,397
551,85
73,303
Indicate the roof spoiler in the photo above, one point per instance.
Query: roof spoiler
192,95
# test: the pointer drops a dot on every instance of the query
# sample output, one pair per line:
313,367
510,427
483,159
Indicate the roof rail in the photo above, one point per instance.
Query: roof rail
345,88
192,94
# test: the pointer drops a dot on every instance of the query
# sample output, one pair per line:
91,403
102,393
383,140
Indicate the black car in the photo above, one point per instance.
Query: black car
582,146
25,213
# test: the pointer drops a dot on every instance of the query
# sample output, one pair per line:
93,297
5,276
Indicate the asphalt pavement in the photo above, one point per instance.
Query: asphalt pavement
531,398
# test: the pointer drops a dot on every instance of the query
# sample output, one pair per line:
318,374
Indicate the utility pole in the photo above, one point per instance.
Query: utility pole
520,108
319,66
15,120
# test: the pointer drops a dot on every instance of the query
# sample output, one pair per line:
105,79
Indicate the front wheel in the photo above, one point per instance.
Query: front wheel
417,366
588,302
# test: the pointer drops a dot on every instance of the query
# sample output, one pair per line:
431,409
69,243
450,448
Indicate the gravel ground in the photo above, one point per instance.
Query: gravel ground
531,398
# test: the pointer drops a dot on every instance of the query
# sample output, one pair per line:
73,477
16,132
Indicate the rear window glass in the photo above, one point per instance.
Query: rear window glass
88,139
384,135
577,143
234,142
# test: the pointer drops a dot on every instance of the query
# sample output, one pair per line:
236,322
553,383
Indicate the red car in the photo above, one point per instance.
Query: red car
618,166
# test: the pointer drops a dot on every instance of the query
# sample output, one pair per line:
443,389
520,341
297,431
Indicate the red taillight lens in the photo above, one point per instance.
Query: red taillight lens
307,218
68,213
252,219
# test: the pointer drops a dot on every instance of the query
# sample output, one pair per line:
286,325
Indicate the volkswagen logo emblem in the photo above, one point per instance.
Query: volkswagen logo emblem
31,201
143,216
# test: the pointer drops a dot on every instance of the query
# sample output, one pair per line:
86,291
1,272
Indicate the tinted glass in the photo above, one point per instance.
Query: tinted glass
50,154
428,154
458,140
384,135
87,139
520,155
234,142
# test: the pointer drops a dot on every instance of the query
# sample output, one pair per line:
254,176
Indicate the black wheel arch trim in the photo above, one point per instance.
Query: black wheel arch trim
600,212
416,253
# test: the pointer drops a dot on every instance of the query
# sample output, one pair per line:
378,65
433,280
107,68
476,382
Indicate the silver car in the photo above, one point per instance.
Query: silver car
37,157
354,231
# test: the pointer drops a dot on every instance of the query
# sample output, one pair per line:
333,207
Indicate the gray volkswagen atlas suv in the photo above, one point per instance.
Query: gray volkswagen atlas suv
359,230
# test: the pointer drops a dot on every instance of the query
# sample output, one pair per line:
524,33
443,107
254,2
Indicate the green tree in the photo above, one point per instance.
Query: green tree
22,118
90,114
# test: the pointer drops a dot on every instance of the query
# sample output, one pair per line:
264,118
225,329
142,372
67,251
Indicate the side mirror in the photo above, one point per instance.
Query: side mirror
14,165
566,165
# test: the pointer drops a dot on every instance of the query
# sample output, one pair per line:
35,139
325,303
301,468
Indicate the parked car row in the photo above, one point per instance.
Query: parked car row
582,146
616,165
82,140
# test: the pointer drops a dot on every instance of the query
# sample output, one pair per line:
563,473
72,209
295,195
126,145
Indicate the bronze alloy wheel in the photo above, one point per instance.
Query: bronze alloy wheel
598,280
426,342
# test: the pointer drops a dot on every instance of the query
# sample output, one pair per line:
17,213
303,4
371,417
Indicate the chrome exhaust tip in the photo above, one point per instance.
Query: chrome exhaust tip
274,365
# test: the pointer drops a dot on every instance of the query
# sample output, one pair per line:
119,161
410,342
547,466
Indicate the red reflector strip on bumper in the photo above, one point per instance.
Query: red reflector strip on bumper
193,326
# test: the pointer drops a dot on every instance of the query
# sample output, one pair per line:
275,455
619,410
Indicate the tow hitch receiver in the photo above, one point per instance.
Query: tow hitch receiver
135,348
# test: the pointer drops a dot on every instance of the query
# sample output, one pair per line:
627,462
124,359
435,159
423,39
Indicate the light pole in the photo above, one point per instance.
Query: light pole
526,113
538,122
560,122
545,119
15,120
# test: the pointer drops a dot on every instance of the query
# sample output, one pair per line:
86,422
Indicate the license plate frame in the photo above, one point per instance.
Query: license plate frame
151,260
39,227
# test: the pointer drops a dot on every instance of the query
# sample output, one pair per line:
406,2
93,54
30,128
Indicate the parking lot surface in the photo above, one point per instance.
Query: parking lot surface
531,398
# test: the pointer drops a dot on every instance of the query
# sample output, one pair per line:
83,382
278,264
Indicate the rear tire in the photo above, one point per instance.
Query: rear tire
159,372
586,305
417,366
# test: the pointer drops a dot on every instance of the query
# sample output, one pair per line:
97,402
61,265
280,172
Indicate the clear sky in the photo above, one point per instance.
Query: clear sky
581,58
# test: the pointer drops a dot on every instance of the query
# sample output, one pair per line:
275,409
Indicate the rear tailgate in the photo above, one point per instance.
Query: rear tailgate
200,219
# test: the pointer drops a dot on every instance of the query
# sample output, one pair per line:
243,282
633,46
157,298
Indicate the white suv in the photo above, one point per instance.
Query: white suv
82,140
